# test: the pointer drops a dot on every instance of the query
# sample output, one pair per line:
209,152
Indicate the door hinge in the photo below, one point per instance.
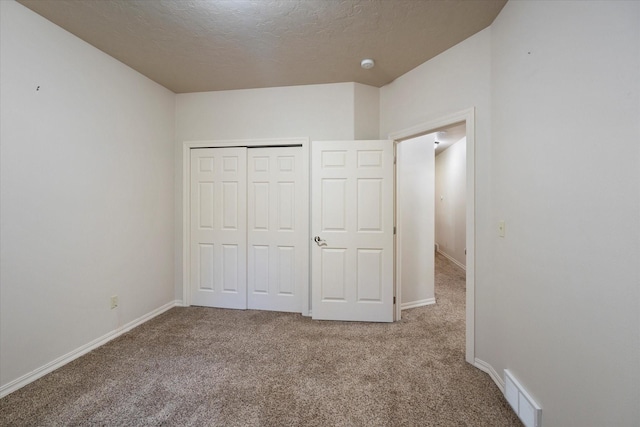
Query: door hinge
394,230
394,300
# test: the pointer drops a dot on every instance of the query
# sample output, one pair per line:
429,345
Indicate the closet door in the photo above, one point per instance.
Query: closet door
277,228
218,232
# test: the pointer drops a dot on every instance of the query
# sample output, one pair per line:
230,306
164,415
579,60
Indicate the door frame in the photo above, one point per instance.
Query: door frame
468,117
186,202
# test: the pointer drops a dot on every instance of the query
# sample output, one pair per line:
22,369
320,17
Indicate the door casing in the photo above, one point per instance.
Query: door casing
468,117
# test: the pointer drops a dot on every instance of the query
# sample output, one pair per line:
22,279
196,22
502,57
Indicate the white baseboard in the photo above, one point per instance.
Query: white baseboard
419,303
80,351
485,367
452,259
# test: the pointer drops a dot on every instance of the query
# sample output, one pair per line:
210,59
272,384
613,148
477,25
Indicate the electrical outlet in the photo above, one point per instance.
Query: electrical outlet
114,302
501,228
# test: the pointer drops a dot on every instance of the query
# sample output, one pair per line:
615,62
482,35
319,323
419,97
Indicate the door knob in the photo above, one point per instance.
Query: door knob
319,241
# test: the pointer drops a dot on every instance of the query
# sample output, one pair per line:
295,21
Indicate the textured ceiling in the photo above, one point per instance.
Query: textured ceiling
204,45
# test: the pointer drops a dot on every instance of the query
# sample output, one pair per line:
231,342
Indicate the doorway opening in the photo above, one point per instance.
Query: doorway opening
427,132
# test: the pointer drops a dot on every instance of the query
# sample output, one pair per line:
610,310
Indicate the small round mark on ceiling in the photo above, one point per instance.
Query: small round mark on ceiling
367,63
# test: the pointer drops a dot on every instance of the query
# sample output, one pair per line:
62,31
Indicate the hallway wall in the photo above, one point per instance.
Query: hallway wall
415,193
450,201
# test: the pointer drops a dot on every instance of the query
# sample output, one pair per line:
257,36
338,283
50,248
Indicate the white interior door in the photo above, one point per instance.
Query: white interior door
218,235
352,223
278,247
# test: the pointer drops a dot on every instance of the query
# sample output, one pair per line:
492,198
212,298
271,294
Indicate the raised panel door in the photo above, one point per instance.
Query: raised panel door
352,221
277,234
218,236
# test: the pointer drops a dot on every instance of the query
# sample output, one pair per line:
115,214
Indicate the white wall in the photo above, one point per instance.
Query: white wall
566,179
366,111
454,81
86,193
320,112
315,111
557,299
450,201
415,191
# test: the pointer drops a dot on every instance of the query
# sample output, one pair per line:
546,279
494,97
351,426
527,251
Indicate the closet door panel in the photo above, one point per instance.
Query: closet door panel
277,234
218,232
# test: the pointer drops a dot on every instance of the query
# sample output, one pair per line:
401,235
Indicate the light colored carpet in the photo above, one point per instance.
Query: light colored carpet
199,366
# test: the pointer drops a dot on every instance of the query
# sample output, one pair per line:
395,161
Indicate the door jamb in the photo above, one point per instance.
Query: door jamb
467,116
186,201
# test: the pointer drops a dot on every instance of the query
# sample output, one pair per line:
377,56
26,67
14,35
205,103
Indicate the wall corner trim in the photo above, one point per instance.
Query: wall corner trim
485,367
82,350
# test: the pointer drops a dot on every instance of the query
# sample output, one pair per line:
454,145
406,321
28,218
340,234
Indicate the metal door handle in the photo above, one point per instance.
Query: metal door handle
319,241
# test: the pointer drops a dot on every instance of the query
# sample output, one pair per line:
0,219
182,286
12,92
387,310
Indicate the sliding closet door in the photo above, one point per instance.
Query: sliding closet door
277,228
218,235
